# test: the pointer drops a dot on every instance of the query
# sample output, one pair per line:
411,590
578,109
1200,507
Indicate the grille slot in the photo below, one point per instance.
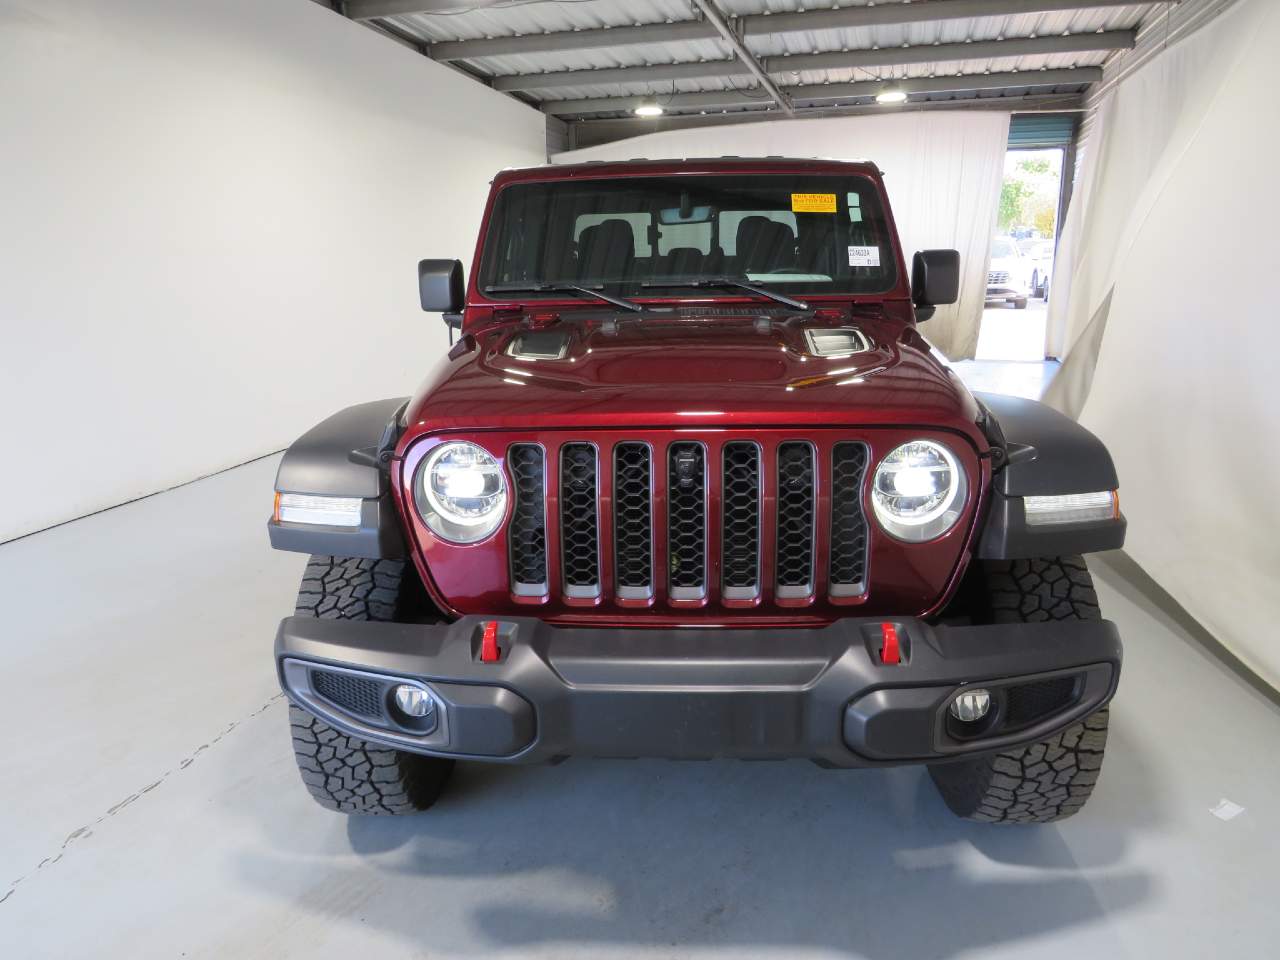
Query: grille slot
357,695
1025,703
528,534
795,519
848,522
740,557
687,520
579,530
632,520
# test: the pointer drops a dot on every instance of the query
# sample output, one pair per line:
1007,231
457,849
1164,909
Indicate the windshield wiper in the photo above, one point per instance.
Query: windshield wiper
705,282
562,288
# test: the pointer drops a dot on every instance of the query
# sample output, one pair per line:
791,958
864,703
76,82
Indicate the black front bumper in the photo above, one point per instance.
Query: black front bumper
821,694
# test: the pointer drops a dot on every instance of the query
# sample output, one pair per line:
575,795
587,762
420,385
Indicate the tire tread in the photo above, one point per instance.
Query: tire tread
342,772
1053,779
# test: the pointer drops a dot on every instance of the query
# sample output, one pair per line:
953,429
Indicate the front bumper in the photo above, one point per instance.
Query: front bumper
822,694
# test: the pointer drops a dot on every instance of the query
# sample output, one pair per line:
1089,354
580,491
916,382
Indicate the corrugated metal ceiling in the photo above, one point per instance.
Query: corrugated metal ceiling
527,19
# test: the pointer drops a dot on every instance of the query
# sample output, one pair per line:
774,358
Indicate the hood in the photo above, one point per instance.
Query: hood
699,367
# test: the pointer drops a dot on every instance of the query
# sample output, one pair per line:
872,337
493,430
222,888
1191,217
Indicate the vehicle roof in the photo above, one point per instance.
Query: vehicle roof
600,169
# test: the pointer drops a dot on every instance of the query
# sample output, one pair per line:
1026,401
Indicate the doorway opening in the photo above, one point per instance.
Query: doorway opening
1020,269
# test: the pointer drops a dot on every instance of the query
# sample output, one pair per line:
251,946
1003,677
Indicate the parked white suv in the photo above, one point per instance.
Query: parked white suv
1008,277
1039,256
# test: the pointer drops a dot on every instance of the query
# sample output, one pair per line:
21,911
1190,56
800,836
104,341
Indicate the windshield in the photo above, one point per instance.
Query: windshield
1002,247
651,236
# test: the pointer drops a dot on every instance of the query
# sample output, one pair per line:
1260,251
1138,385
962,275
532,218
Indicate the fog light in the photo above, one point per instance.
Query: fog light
414,701
971,705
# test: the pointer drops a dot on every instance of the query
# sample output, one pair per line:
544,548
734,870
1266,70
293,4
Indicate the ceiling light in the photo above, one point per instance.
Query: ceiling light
891,95
649,110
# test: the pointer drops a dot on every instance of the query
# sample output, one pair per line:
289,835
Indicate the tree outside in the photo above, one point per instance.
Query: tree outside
1029,193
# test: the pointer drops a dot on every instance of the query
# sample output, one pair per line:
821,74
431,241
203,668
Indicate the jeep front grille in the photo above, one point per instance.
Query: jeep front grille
742,521
687,520
528,534
848,523
633,520
796,493
997,278
579,533
741,525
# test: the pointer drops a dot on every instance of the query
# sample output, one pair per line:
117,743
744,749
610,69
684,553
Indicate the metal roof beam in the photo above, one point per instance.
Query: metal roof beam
371,9
886,57
711,70
817,93
714,17
589,133
758,25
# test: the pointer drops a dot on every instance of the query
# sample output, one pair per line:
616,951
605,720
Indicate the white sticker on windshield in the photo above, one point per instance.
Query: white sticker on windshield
864,256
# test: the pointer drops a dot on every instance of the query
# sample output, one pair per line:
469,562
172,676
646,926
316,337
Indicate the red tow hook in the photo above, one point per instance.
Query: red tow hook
489,642
890,651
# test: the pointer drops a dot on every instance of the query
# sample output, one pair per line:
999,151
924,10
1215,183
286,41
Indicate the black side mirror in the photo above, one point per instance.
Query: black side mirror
440,285
935,280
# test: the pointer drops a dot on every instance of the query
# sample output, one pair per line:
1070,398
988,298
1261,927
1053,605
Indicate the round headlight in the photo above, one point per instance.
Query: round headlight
919,491
460,492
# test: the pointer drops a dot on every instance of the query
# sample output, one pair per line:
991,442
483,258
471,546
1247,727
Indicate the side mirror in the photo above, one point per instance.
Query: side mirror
935,280
440,285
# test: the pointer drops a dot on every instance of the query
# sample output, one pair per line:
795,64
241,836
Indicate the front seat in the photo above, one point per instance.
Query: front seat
606,252
764,245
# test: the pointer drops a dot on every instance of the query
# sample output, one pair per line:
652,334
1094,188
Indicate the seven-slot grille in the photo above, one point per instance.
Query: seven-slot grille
680,518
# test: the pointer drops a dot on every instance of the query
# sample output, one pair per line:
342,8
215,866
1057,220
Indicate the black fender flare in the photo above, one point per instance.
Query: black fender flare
345,455
1042,452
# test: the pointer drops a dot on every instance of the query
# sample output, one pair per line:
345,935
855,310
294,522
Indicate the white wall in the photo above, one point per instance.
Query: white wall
942,171
1172,313
210,217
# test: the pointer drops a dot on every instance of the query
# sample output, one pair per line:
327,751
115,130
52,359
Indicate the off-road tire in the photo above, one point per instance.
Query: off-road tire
343,772
1052,779
351,775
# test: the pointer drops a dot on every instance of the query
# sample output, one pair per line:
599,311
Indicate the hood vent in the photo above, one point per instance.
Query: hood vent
721,311
539,345
836,342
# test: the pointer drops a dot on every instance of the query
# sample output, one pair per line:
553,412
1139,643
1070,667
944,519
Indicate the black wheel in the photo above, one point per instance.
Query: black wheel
343,772
1035,283
1052,779
1044,290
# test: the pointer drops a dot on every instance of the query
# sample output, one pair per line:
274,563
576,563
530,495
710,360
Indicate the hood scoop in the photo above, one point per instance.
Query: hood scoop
836,341
539,345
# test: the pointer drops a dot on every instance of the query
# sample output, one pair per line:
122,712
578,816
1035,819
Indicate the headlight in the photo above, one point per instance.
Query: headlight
460,492
919,491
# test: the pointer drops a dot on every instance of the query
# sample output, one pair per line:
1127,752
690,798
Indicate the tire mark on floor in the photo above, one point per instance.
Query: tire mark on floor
83,833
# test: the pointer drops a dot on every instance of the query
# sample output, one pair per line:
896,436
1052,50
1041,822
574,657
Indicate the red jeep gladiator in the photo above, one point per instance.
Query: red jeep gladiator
691,484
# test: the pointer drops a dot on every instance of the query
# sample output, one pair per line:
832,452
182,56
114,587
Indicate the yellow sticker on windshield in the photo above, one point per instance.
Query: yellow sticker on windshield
813,203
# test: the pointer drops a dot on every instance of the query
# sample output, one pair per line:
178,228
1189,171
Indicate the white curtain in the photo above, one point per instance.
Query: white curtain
1169,325
942,170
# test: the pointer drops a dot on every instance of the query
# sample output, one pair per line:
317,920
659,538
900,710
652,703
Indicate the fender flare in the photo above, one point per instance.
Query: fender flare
345,455
1043,452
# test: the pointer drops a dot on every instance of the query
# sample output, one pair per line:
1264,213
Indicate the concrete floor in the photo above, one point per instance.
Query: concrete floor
151,807
1006,333
1010,353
